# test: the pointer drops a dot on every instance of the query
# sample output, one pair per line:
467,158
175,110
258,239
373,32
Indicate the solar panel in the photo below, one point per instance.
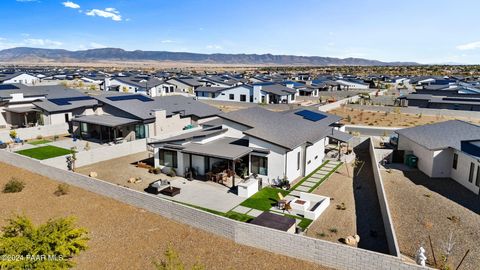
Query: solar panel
68,100
8,87
310,115
141,98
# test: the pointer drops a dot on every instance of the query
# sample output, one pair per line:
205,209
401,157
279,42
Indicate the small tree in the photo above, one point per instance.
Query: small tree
172,261
52,244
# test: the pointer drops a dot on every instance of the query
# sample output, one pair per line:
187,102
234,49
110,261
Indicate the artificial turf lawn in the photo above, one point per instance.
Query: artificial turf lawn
44,152
39,142
264,199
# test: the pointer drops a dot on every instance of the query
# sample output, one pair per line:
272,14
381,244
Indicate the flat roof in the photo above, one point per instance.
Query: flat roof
24,109
274,221
105,120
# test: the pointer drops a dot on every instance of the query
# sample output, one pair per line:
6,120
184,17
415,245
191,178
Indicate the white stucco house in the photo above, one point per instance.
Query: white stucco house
139,84
271,145
19,77
448,149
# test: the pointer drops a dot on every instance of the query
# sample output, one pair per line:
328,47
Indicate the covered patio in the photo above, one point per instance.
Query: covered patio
25,116
225,161
108,128
342,151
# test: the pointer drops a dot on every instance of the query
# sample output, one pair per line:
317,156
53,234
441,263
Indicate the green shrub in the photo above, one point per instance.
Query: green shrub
13,186
57,238
62,189
13,134
172,261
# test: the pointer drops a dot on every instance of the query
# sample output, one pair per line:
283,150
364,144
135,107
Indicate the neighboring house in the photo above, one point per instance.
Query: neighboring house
447,149
273,93
23,106
126,117
241,93
19,77
186,84
353,84
272,145
139,84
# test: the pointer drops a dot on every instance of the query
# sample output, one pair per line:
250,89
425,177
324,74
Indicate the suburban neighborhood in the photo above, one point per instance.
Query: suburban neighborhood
178,142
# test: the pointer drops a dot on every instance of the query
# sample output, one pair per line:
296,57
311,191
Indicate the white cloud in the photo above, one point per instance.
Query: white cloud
214,47
167,41
95,45
469,46
111,13
70,4
42,42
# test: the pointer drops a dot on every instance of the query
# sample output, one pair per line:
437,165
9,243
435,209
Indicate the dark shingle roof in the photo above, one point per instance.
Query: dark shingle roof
442,135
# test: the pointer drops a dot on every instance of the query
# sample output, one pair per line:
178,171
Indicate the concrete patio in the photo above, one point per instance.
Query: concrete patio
204,194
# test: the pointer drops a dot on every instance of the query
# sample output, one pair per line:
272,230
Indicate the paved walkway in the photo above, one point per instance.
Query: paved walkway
311,182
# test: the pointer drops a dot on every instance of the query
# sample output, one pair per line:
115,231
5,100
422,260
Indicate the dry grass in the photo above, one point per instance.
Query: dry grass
127,237
392,119
418,212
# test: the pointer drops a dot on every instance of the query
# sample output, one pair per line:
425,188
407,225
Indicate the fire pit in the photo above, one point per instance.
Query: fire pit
170,191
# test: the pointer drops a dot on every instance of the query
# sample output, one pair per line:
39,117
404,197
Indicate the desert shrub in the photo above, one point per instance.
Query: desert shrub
13,186
62,189
57,238
172,261
39,137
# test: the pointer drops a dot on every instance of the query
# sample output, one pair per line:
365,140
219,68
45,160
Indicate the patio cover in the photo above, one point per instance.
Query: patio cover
221,148
25,109
340,136
105,120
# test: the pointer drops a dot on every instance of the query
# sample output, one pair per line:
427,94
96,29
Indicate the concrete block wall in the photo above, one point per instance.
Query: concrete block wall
95,155
325,253
33,132
382,199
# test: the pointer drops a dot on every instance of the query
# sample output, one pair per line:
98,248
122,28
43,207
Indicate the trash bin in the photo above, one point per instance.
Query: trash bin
411,161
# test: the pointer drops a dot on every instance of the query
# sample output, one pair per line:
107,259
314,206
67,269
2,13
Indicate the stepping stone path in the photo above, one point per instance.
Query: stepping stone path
315,178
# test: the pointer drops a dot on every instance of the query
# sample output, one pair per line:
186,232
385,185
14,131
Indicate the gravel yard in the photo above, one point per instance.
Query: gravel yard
353,191
128,237
423,207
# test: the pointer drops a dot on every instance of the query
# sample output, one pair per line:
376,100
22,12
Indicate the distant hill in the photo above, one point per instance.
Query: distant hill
115,54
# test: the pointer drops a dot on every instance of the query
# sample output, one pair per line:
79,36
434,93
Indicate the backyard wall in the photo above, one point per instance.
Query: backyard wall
338,104
33,132
325,253
382,199
85,158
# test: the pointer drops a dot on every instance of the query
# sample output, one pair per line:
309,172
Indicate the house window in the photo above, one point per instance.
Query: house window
316,157
259,165
140,132
472,170
477,182
231,96
251,98
243,98
455,161
168,158
298,161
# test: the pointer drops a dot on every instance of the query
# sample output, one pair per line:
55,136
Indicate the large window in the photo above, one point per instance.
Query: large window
243,98
140,132
477,182
472,171
231,96
455,161
259,165
168,158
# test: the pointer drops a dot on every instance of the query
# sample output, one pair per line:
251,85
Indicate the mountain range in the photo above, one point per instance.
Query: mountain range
25,54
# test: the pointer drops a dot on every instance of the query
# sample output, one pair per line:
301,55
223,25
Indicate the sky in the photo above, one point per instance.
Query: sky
424,31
